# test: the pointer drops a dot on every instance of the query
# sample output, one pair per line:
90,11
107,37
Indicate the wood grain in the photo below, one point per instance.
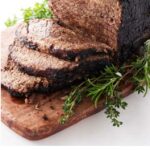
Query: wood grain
33,123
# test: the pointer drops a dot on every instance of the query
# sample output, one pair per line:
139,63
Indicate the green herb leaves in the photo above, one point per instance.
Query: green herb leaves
107,85
112,106
141,77
11,22
74,98
38,11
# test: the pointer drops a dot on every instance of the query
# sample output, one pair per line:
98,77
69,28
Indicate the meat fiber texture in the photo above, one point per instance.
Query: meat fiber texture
50,37
48,66
20,84
121,25
22,75
27,71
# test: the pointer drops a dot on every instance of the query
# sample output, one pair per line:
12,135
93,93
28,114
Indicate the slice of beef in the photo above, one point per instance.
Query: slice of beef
43,65
49,36
120,24
20,84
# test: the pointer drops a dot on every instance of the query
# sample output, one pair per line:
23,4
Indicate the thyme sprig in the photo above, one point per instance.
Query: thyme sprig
108,84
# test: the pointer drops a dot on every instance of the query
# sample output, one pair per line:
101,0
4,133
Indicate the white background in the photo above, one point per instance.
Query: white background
95,130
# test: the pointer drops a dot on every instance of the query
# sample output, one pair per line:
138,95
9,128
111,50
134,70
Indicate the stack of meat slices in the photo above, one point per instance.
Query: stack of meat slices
46,56
82,38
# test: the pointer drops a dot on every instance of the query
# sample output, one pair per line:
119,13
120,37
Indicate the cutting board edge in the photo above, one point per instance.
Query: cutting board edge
28,134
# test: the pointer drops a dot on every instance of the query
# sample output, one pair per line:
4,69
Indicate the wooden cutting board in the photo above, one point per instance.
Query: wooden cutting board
41,118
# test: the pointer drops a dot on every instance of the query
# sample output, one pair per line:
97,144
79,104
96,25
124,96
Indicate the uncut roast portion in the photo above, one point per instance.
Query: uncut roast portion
81,39
122,25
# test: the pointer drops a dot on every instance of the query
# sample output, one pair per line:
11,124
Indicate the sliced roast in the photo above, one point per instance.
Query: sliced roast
49,36
20,84
43,65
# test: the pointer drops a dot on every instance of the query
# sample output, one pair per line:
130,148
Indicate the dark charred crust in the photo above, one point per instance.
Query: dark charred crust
29,44
62,53
41,89
128,22
31,40
60,79
54,68
13,92
46,79
72,55
45,117
84,69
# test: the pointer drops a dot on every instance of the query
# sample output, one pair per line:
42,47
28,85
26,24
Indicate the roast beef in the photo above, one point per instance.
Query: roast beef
48,36
43,65
91,33
120,24
20,84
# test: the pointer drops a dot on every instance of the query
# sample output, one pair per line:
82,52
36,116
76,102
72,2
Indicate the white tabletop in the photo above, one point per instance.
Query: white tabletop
95,130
